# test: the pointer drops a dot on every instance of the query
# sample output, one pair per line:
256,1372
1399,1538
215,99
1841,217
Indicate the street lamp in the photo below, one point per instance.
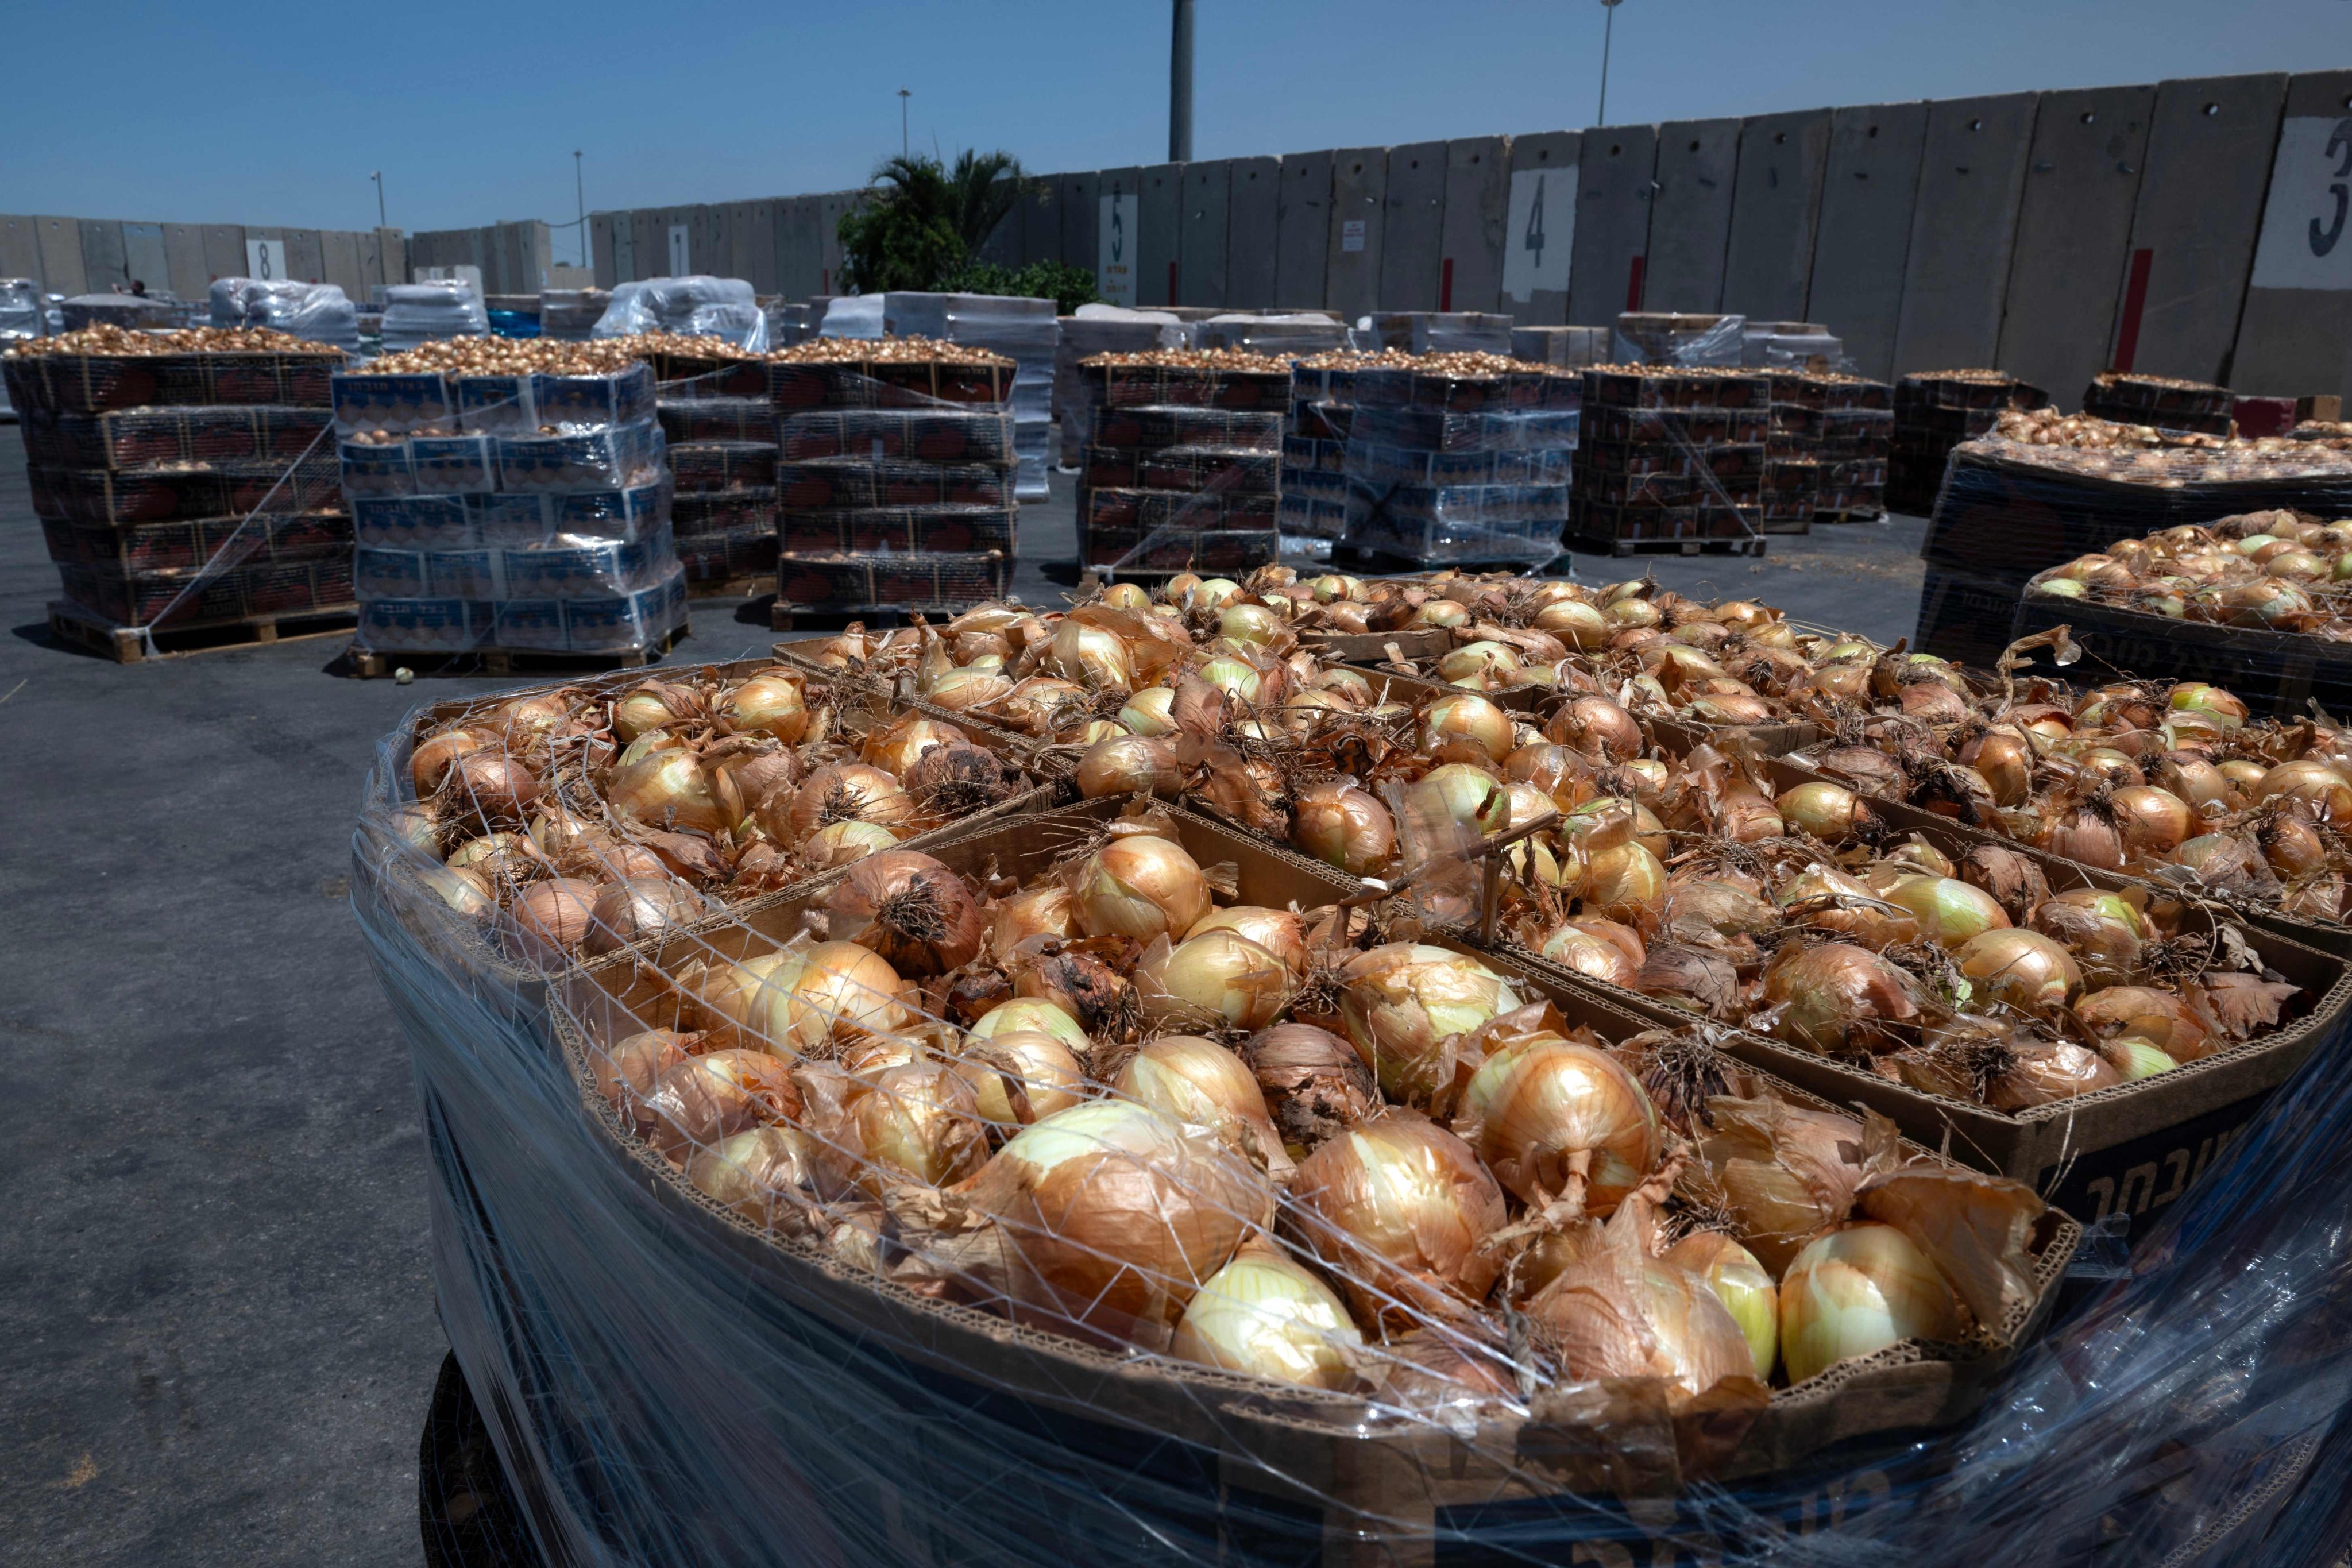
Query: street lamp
580,190
380,221
1608,29
903,96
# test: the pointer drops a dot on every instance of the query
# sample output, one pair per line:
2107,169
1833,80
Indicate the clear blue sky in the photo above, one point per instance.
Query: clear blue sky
274,115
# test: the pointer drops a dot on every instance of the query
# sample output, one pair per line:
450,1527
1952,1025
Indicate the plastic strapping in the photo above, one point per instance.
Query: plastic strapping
232,551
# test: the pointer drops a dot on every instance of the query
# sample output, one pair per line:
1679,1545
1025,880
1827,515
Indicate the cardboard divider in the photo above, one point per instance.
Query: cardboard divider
1311,1449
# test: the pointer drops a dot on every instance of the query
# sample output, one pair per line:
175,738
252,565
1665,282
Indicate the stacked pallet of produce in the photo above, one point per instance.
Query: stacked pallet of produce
1025,331
2043,488
1315,443
183,481
1826,457
712,400
1460,458
894,483
1182,464
509,497
1672,456
1935,411
2176,406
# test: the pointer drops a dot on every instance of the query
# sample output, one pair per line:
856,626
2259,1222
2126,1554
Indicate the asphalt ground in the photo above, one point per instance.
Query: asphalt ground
218,1338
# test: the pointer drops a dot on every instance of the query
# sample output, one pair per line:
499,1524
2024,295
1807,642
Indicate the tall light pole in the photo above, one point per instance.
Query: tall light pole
903,96
580,190
1608,30
1180,85
380,221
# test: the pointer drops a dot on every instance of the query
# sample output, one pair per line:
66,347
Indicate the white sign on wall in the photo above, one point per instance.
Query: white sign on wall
678,256
1351,234
265,260
2308,222
1538,240
1115,270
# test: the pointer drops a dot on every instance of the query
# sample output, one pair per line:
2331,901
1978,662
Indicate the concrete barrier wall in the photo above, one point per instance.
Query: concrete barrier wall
1302,229
2200,204
1413,225
1079,204
1612,221
1478,202
1201,249
1776,210
1352,274
2074,230
1864,241
1539,228
2294,336
1690,215
1253,187
1159,249
1963,230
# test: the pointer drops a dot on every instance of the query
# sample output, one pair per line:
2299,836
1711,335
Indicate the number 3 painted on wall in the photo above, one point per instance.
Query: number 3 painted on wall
2323,241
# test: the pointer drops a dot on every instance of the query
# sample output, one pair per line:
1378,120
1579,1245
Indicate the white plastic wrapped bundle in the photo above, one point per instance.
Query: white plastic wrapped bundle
1025,330
1658,337
1102,330
319,312
698,306
853,316
416,313
21,315
1306,332
1792,345
133,310
1441,332
570,315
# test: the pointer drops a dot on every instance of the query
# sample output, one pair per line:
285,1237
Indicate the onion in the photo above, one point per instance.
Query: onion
1264,1315
1555,1119
1573,947
1150,711
1281,932
465,892
776,1177
1623,882
2014,881
839,844
547,921
1478,664
771,702
2158,1018
1470,718
1312,1079
1397,1208
2135,1059
1042,910
2153,821
429,763
1739,1282
911,910
2224,708
2308,781
1254,624
747,1004
842,791
843,994
496,857
1139,886
1130,764
1403,1003
1094,657
1213,592
1238,679
1828,812
1343,825
1199,1081
1856,1290
1114,1214
1026,1013
1021,1075
487,790
918,1122
1615,1311
1949,912
1126,596
1578,624
1469,798
1441,613
966,688
952,781
705,1097
897,749
2024,968
1218,978
625,1074
2005,762
1837,998
2102,930
637,909
670,790
1596,727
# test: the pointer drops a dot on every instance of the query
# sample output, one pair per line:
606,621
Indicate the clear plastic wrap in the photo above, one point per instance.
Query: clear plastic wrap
1439,332
1025,330
1100,329
706,1364
1658,337
528,510
1449,469
570,315
21,315
320,312
418,313
695,306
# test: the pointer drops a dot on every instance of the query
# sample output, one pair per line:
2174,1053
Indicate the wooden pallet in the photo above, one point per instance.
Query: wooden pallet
787,617
86,629
368,665
748,586
1742,546
1853,514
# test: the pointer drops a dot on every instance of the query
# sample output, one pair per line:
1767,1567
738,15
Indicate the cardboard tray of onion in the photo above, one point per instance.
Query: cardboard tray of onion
1352,1434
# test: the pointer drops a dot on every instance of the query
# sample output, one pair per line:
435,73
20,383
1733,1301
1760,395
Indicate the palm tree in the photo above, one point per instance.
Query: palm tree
927,217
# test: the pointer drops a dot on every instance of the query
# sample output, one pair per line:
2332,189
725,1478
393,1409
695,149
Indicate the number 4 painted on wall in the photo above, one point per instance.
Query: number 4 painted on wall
1534,240
2322,240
